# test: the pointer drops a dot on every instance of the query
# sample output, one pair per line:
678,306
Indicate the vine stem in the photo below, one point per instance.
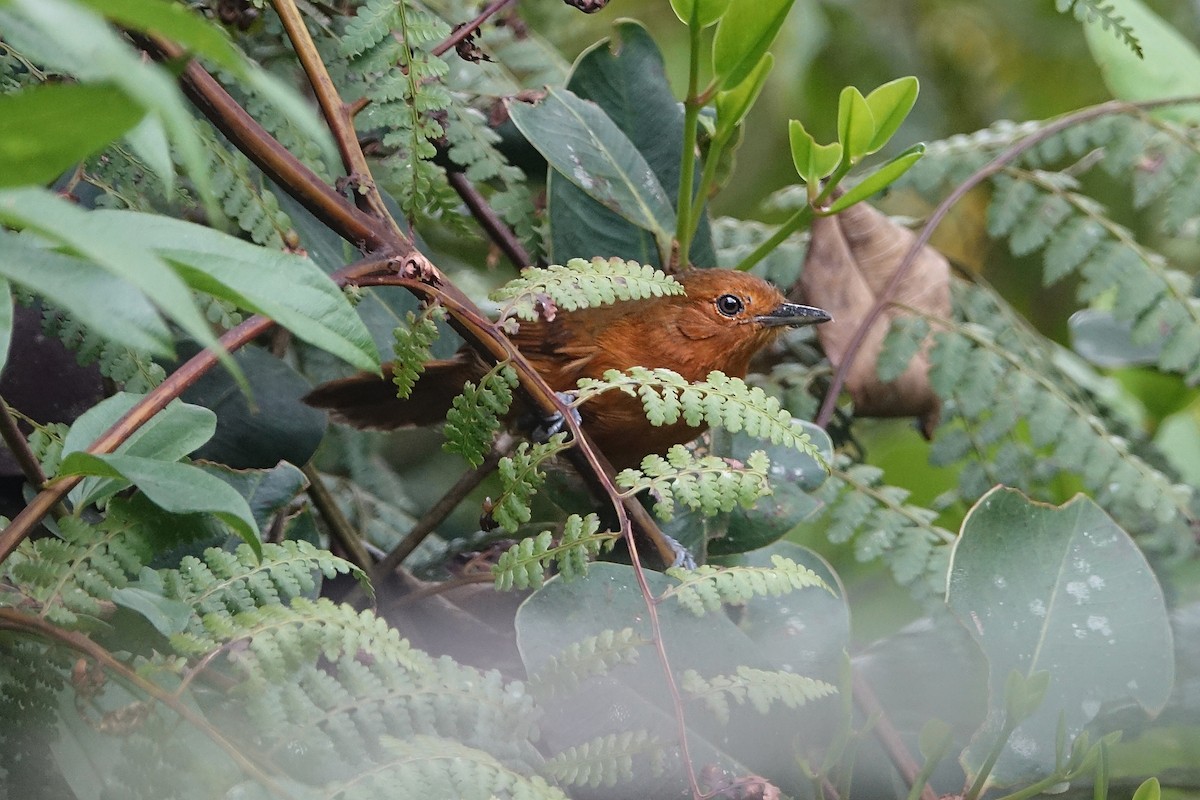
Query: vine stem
13,620
888,736
469,28
487,217
19,447
340,528
979,176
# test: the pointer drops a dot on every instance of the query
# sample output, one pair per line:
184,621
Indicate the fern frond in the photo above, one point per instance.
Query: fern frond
708,484
520,478
541,291
707,588
902,342
133,370
428,766
607,760
243,197
411,348
1097,10
524,564
474,417
718,401
595,655
762,688
46,443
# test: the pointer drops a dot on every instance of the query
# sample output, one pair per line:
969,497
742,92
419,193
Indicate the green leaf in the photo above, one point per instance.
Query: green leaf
879,179
794,476
856,124
260,428
146,598
267,491
6,322
169,435
46,129
288,288
934,738
105,303
81,43
626,77
733,104
586,147
743,36
699,13
813,161
172,486
890,104
172,21
1170,66
119,252
1063,590
1149,790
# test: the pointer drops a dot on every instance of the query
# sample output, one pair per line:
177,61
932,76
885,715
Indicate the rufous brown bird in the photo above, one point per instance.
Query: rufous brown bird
724,318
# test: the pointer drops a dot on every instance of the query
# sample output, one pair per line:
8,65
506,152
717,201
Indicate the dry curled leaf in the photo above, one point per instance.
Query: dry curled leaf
851,258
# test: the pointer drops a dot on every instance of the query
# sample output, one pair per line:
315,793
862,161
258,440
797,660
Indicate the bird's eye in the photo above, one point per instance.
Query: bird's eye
730,305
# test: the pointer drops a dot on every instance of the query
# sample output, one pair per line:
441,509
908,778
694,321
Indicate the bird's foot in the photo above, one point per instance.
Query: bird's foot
683,556
555,423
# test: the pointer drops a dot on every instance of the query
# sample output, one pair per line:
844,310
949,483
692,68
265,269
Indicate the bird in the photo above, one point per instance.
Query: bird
720,322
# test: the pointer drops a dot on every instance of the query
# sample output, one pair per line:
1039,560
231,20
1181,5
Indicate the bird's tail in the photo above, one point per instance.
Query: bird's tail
369,401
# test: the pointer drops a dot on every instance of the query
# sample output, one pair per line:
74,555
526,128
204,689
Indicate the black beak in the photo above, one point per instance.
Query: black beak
792,314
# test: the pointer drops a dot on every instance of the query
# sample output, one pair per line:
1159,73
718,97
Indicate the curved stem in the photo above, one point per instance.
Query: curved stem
792,224
687,161
470,27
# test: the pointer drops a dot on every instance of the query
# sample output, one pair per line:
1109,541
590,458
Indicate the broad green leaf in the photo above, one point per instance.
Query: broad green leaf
813,161
173,21
258,429
934,738
6,322
121,253
890,104
1170,66
856,124
46,129
744,34
1098,336
580,141
1064,590
1149,790
108,305
794,475
172,486
734,104
88,48
879,179
169,435
146,598
267,491
625,76
288,288
699,13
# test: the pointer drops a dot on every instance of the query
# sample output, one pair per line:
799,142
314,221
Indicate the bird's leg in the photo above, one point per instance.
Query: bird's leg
546,426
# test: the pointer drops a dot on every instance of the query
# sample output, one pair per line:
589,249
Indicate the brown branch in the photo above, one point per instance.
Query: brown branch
275,160
888,736
469,28
19,447
340,529
438,512
337,114
943,208
487,217
13,620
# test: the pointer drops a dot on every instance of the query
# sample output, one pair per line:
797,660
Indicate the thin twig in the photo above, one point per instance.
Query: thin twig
340,528
939,214
19,447
888,736
466,30
13,620
497,231
438,512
